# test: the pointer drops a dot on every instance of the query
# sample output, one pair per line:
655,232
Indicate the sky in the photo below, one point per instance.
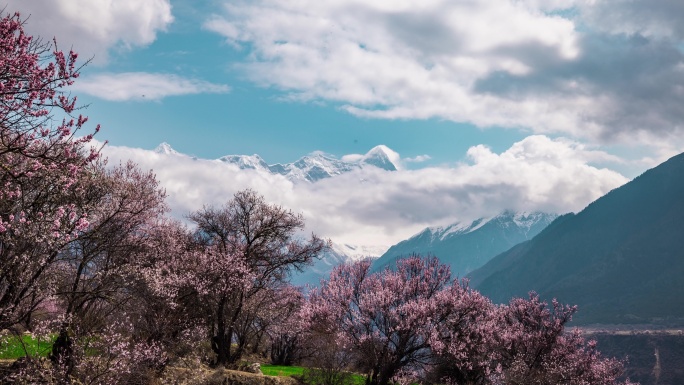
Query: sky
491,105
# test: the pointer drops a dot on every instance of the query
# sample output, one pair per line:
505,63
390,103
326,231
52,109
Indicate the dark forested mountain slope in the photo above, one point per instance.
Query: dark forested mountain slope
621,259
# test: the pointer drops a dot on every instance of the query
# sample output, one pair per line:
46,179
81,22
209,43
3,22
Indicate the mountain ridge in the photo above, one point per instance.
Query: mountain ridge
310,168
467,246
337,254
620,259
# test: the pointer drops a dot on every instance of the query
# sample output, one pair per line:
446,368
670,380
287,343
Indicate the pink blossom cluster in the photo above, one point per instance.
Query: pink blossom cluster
44,168
413,323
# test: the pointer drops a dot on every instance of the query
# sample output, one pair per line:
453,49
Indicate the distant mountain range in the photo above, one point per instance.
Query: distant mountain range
621,259
311,168
466,247
337,255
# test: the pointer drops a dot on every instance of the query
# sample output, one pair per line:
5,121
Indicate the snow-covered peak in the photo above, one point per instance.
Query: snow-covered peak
312,167
464,228
320,165
166,149
443,232
338,254
467,246
522,220
253,162
320,155
383,157
322,160
359,252
527,220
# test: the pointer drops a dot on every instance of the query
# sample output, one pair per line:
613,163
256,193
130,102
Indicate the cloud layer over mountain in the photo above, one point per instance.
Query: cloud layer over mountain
373,206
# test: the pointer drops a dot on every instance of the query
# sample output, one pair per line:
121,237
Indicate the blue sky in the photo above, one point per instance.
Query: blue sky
571,98
248,118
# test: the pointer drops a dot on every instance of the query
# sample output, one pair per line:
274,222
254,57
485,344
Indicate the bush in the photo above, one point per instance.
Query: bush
327,376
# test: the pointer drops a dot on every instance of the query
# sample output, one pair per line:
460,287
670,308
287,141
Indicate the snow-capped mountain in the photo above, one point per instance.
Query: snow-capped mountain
338,254
319,165
357,253
382,157
464,246
467,246
313,167
246,162
166,149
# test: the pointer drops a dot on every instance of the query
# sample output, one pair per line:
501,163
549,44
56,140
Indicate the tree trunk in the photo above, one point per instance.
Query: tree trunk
256,343
235,357
219,344
382,375
372,379
283,350
62,354
386,375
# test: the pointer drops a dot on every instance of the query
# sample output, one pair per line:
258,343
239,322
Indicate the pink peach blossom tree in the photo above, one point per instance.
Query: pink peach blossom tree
405,323
94,273
44,167
386,318
533,347
263,237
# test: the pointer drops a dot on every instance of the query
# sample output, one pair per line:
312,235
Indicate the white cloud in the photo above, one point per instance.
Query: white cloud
509,63
143,86
368,53
376,207
418,159
93,27
660,19
352,158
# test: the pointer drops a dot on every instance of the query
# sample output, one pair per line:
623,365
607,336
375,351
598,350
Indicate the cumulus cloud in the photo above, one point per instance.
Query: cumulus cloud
143,86
371,206
658,19
93,27
418,159
598,70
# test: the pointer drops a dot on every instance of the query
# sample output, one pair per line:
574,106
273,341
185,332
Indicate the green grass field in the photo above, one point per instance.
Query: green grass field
278,370
13,347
